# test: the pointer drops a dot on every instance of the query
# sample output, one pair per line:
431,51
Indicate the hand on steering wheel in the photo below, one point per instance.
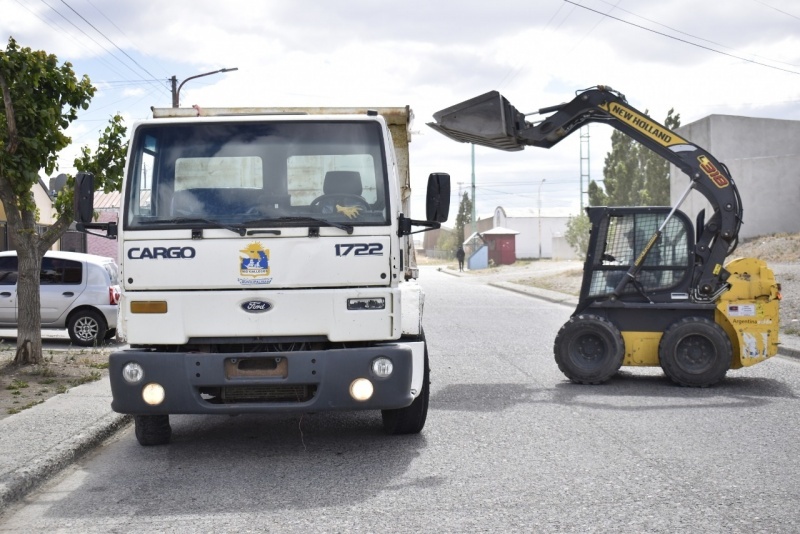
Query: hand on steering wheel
350,206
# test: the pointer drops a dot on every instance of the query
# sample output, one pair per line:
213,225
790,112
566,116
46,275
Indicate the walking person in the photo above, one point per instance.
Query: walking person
460,257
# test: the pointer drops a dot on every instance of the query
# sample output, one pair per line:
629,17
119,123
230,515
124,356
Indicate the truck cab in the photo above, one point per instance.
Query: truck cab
266,266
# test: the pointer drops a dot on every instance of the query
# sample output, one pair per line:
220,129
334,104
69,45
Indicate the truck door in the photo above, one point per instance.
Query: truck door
62,281
8,291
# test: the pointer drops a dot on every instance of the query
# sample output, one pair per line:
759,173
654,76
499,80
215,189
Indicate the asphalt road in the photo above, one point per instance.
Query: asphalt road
510,446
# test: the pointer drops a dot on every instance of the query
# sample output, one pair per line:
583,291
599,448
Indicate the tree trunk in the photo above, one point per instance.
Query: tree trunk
29,319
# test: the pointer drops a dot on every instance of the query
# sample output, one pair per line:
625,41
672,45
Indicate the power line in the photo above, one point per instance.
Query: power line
682,40
56,27
691,35
776,9
110,41
96,42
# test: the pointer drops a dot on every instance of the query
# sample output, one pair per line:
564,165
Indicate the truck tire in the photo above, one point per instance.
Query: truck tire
87,328
589,349
695,352
410,420
152,429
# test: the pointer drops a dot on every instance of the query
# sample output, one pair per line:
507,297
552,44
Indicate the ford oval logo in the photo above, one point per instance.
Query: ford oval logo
256,306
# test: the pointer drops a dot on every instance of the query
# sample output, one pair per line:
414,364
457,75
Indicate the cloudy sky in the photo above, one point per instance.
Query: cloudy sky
700,57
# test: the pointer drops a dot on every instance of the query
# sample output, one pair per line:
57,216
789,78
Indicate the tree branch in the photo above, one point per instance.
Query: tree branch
55,231
13,137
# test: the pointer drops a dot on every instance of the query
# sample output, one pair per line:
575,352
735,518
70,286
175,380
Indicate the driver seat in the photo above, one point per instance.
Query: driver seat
342,183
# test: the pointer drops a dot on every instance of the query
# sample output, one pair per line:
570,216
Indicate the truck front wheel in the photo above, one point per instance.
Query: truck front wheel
152,429
410,420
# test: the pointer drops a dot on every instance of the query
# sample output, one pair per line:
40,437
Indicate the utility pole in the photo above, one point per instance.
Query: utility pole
539,201
585,172
474,222
176,89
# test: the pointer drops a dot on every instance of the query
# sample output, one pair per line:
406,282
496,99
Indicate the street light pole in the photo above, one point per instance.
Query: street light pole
539,201
176,91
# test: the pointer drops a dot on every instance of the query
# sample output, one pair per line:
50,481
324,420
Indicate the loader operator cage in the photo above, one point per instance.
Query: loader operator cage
622,235
271,173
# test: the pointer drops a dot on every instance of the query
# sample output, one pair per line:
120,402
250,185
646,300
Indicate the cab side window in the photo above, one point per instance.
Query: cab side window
8,271
58,271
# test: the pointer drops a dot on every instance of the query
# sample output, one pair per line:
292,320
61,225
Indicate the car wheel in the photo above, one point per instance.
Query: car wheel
152,429
589,349
86,328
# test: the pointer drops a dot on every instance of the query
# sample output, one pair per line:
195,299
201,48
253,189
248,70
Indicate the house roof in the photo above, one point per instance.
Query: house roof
499,230
547,212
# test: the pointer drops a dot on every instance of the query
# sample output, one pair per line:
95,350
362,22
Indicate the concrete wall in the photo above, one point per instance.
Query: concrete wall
562,250
763,156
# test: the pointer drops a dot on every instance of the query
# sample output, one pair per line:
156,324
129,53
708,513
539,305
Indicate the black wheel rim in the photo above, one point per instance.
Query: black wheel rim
588,351
695,353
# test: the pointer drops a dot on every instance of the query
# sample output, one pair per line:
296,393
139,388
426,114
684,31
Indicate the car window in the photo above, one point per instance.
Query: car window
60,271
8,270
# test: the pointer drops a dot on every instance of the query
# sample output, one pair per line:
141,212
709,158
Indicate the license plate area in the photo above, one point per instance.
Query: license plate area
274,367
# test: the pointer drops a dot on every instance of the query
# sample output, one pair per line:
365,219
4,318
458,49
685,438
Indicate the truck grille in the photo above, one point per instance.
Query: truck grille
268,393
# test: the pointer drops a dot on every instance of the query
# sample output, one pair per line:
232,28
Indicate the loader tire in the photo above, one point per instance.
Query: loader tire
152,429
589,349
695,352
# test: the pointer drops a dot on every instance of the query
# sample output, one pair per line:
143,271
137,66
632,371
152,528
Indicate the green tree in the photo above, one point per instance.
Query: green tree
634,175
655,169
597,197
448,241
464,217
40,100
577,234
620,171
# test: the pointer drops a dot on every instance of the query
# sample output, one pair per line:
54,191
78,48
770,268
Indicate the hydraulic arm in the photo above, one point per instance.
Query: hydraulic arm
490,120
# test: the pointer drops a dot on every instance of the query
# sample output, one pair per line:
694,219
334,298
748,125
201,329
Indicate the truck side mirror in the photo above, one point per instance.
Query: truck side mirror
84,197
437,204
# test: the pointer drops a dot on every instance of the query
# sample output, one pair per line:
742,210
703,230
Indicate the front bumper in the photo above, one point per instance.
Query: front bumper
232,383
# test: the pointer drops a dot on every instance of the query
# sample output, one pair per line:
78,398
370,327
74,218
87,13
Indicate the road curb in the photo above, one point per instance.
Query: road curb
17,484
545,294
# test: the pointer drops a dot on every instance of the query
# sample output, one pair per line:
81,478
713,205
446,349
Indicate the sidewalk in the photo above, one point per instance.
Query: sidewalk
39,442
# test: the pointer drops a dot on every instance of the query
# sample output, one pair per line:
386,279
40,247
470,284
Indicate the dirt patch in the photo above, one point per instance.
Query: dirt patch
776,248
568,281
22,387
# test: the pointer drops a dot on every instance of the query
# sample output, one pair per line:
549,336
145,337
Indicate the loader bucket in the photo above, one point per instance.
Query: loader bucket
487,120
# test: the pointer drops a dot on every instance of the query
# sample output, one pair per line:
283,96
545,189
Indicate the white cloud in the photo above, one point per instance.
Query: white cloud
430,55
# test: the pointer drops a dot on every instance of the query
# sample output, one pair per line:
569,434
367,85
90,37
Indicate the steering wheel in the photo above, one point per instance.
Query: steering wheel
351,206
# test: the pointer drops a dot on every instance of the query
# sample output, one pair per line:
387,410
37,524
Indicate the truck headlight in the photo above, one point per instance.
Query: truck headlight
132,373
361,389
382,367
153,394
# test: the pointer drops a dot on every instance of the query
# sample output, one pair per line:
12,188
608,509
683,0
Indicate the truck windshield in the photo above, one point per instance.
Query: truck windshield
257,174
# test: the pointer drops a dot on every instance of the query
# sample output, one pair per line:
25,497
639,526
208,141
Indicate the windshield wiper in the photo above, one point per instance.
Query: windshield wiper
346,227
241,230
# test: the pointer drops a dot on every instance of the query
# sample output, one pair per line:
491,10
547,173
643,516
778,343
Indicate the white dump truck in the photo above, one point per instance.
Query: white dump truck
266,266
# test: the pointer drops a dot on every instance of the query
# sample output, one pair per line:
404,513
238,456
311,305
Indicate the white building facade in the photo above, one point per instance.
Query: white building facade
541,233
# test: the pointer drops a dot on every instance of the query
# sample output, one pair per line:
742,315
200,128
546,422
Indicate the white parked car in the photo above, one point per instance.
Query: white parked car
79,292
